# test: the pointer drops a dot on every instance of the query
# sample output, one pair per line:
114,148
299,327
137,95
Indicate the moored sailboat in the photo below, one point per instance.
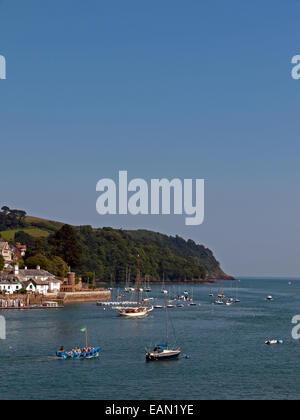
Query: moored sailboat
162,351
137,311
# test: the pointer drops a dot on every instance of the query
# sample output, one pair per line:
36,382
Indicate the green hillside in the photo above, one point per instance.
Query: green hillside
9,235
110,253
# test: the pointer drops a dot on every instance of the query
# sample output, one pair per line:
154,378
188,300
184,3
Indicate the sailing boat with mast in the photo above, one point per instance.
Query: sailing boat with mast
237,299
162,351
164,290
137,311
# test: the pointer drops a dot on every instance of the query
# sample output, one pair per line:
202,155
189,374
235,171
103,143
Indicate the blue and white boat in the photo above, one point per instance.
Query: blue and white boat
76,353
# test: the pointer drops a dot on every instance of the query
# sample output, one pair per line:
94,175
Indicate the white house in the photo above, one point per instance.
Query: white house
10,286
36,286
37,274
38,281
54,285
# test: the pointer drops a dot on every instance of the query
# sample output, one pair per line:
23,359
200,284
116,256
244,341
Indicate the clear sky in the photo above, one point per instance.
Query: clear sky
172,88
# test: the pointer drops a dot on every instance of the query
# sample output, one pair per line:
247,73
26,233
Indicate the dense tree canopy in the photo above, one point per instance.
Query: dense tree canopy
64,244
2,263
108,254
53,264
113,253
11,219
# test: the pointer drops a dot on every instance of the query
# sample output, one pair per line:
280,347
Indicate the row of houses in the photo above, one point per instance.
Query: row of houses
33,281
11,253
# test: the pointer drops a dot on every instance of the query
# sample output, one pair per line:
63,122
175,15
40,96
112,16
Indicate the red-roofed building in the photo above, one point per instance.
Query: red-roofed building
20,250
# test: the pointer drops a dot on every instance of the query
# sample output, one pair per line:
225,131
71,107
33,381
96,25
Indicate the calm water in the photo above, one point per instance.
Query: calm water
228,358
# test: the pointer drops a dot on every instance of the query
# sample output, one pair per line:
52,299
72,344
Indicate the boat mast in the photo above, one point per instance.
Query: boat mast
167,326
138,282
86,344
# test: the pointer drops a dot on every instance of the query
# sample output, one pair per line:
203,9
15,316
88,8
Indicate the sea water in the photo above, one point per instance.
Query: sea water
227,357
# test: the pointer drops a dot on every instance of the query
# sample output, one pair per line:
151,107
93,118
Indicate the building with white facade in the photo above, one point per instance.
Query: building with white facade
6,252
10,286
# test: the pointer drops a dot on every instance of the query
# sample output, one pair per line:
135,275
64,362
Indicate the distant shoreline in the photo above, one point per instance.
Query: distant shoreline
170,282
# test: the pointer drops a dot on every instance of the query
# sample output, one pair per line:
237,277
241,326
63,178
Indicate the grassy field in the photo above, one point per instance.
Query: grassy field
8,235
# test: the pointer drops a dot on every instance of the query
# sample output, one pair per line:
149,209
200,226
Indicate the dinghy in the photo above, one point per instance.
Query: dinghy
272,342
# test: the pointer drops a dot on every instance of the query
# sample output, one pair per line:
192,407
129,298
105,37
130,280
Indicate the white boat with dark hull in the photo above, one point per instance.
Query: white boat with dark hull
219,302
161,352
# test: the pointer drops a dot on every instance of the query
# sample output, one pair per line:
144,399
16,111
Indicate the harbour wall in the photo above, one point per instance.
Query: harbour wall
93,296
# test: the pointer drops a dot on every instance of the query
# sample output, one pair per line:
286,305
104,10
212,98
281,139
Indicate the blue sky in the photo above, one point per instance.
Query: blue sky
195,89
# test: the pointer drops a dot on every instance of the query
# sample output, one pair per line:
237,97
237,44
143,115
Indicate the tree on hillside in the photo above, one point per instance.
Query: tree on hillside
11,219
65,244
54,264
5,210
89,277
39,260
25,239
2,263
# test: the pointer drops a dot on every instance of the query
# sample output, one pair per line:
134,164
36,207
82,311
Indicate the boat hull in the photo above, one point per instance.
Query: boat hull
135,313
86,355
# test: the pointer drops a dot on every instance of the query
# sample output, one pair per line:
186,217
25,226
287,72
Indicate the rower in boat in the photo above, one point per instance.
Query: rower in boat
77,353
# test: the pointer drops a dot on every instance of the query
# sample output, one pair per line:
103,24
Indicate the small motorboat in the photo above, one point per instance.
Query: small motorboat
237,301
229,302
148,299
269,298
192,304
180,305
272,342
170,306
219,302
